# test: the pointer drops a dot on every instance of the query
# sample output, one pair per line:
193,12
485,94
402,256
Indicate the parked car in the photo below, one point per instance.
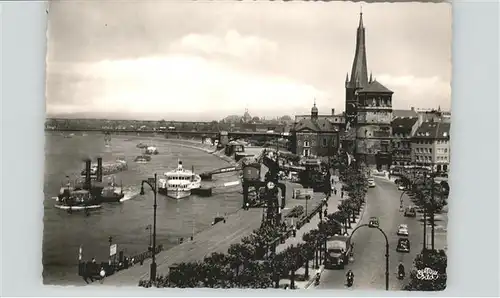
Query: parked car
401,187
373,222
410,212
403,245
371,182
403,230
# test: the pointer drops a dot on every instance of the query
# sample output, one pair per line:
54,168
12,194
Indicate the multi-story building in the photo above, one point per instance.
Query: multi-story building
403,128
434,115
316,135
431,145
368,109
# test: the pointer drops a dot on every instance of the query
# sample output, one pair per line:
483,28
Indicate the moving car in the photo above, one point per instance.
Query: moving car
403,230
403,245
401,187
373,223
371,182
410,212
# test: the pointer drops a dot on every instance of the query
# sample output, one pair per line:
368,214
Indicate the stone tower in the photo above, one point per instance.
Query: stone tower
368,110
359,74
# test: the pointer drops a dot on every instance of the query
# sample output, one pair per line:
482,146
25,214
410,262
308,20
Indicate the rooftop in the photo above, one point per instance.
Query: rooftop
320,124
404,113
403,124
433,130
375,87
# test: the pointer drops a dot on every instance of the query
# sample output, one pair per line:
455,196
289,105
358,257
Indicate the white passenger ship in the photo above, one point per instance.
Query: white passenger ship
178,183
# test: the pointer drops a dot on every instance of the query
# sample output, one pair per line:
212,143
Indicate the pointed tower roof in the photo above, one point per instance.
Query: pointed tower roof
314,109
359,66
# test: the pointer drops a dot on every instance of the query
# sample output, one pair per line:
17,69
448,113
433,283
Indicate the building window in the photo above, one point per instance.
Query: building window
307,144
430,150
325,142
445,150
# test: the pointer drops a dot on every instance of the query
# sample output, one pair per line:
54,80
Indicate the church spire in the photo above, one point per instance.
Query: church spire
371,78
359,66
360,17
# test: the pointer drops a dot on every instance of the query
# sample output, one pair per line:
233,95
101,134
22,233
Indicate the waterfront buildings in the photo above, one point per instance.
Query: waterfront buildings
316,135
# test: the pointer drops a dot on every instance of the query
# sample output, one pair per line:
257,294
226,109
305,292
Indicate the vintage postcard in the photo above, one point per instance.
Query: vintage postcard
247,144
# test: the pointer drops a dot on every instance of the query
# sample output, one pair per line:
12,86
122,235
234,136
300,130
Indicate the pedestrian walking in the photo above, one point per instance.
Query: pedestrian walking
335,190
342,194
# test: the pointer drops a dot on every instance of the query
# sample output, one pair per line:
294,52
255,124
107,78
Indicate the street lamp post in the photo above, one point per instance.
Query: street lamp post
307,199
386,251
150,228
153,183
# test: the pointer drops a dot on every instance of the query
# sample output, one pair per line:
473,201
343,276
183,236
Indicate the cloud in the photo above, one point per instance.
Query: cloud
427,92
176,84
232,43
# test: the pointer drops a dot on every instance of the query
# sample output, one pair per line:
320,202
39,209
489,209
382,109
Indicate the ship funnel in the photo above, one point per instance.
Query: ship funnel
99,169
88,165
179,166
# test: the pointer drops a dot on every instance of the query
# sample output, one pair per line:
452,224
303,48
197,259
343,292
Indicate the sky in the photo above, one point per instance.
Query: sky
204,60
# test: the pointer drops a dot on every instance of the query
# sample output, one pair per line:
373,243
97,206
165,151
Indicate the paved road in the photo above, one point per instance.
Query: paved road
215,239
369,244
333,202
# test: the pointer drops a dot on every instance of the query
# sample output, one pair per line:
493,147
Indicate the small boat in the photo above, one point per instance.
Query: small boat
142,145
151,150
143,159
108,168
178,183
77,200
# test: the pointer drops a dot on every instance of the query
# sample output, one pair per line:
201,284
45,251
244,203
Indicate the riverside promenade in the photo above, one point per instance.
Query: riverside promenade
217,238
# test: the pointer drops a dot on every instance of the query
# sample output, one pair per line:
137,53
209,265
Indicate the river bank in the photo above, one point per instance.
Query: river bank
192,144
125,222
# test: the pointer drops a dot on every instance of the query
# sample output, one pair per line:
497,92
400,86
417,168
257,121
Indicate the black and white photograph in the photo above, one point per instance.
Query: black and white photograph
247,144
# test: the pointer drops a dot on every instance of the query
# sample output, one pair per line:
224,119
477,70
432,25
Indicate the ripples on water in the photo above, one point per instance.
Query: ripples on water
126,222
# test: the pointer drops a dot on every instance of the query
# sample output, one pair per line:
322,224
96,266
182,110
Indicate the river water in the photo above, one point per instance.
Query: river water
126,222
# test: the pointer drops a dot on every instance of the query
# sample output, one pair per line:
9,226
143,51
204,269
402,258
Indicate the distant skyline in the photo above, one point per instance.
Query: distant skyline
204,61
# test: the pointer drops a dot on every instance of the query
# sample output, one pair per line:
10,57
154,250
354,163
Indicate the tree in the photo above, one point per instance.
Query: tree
345,208
339,217
331,225
429,273
306,253
241,254
217,270
187,275
432,197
